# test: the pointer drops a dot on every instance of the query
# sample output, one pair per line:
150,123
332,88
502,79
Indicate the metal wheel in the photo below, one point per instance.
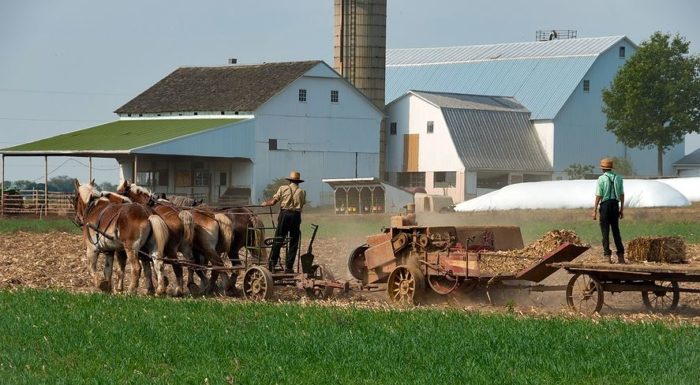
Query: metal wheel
356,262
405,285
257,283
321,272
443,284
584,294
662,300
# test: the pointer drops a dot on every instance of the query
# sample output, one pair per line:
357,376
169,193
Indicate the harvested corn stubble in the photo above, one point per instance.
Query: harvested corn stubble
511,261
657,249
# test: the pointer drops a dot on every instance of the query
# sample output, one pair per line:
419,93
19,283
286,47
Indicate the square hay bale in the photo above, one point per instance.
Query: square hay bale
656,249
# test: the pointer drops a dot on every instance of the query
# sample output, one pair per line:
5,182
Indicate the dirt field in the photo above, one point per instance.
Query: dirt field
56,260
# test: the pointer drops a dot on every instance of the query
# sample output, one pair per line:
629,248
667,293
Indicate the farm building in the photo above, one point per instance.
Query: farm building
451,143
225,133
559,81
689,165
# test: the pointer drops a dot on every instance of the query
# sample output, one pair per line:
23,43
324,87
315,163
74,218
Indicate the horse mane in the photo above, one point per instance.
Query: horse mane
114,197
139,190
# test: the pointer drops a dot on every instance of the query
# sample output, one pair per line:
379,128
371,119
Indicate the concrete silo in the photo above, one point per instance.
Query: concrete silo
359,52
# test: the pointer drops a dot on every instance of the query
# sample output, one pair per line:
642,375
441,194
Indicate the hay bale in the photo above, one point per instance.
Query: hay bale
515,260
656,249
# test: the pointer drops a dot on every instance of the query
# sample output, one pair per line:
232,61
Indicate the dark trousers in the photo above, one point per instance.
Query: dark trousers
610,219
288,222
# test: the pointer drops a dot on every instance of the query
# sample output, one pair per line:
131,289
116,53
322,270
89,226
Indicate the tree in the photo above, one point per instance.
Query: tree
653,101
578,171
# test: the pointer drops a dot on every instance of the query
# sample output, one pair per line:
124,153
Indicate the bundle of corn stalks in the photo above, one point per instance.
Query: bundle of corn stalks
656,249
514,260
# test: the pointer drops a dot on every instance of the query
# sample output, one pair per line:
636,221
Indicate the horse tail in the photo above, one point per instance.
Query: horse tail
259,234
188,225
159,230
225,232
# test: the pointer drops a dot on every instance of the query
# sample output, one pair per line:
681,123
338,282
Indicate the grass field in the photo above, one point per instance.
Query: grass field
60,338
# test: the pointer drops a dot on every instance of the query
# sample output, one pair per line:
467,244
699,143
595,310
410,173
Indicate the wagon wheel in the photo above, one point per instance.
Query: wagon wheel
662,300
584,294
356,262
443,284
257,283
321,272
405,285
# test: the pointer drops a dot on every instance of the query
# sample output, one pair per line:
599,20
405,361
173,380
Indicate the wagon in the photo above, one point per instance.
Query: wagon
658,283
407,260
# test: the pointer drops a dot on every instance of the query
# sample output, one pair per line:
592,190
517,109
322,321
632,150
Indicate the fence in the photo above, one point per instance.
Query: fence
33,202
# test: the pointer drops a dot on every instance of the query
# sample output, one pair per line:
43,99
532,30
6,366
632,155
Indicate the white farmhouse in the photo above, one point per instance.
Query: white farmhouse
559,81
225,133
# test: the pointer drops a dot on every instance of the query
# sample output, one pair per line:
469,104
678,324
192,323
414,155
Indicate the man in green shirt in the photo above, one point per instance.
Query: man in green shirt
610,202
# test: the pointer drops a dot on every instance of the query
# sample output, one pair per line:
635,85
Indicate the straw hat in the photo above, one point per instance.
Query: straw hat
606,164
295,177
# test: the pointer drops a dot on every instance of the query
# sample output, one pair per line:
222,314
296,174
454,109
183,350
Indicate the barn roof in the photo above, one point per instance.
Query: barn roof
490,132
692,159
542,75
122,136
229,88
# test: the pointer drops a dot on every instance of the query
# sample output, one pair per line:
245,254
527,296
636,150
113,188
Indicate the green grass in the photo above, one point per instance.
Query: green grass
60,338
10,225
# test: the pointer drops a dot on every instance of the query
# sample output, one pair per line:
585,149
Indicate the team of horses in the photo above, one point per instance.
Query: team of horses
149,232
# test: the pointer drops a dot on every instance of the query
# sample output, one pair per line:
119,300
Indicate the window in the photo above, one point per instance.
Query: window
201,178
334,96
162,178
392,128
222,179
444,179
272,144
302,95
586,85
430,127
622,52
411,179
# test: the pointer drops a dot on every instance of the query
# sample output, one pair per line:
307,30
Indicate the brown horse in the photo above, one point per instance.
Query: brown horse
111,227
213,233
180,232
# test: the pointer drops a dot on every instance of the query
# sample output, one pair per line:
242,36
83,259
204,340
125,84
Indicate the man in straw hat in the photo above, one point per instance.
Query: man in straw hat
292,199
610,202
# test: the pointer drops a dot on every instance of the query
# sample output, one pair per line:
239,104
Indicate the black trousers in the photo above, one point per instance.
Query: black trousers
288,222
610,220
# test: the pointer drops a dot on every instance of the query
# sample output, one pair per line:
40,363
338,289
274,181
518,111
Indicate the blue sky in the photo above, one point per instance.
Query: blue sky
67,65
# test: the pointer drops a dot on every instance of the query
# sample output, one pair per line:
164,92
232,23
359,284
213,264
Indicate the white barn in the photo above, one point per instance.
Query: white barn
225,133
559,81
451,143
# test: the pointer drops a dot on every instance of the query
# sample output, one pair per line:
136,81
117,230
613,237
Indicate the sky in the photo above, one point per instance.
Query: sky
67,65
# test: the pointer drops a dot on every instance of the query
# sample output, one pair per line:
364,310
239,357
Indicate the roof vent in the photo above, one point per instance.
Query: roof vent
232,60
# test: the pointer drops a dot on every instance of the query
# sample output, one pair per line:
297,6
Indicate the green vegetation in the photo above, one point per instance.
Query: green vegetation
60,338
10,225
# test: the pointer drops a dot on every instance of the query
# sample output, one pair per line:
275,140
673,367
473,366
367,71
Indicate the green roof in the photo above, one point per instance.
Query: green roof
120,136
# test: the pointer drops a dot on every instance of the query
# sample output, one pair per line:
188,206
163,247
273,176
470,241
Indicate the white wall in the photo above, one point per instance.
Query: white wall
323,139
545,132
579,128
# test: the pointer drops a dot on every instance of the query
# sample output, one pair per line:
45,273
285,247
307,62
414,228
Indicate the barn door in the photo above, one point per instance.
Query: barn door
410,152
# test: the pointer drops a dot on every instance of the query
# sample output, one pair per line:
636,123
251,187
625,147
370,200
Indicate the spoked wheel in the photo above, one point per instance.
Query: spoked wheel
321,272
584,294
443,284
356,262
257,283
662,300
406,284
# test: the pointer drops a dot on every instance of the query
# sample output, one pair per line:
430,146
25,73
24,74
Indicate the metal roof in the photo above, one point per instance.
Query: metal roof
120,136
474,102
541,75
692,159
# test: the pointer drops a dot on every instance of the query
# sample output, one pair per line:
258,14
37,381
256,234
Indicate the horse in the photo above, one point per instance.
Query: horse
213,234
180,232
111,226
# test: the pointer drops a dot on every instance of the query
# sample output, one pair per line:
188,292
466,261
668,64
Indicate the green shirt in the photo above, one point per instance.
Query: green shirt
604,188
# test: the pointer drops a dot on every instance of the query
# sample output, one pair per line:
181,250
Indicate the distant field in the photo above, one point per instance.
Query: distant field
60,338
533,223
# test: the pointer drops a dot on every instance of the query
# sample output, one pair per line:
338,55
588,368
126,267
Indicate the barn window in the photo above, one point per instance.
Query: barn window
622,52
586,85
162,177
444,179
222,179
334,96
202,178
430,127
272,144
302,95
392,128
411,179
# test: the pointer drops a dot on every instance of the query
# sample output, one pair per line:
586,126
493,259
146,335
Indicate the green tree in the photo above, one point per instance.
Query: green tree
623,166
653,101
578,171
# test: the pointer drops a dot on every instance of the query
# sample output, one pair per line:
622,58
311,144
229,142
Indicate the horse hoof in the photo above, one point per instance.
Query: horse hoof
193,288
105,287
